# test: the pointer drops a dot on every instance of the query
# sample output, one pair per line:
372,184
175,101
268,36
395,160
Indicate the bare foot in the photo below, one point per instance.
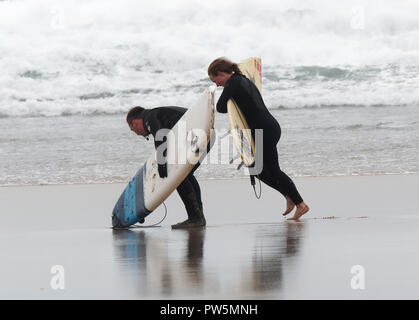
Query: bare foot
302,209
290,206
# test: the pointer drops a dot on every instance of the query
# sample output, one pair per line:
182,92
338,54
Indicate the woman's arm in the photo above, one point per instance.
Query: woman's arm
227,94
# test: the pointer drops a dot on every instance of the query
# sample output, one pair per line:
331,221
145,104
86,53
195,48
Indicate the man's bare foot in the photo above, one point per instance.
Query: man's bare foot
302,209
290,206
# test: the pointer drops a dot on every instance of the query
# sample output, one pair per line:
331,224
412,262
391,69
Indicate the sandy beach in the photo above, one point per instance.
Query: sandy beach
247,251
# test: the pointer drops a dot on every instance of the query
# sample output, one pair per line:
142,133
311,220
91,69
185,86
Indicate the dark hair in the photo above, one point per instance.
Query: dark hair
223,65
134,113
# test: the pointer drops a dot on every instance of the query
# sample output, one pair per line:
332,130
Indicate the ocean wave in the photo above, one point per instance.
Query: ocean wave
95,104
342,106
17,182
369,127
78,57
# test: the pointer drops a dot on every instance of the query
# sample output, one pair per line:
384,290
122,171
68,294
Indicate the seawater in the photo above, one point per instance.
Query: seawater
341,79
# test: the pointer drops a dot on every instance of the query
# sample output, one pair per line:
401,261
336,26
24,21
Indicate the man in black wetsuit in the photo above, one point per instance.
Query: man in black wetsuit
247,96
149,121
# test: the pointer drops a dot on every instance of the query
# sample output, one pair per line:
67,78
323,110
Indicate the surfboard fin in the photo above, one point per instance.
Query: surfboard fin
240,165
234,158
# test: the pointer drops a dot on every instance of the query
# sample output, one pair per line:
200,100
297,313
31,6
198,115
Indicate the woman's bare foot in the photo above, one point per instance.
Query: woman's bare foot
302,209
290,206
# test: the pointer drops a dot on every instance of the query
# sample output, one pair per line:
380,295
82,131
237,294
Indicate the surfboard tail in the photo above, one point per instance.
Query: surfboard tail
130,207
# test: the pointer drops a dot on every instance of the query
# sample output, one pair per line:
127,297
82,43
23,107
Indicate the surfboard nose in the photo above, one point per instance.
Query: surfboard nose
122,218
115,222
116,218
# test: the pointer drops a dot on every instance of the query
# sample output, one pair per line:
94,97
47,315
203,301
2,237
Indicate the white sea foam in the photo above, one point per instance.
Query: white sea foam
86,57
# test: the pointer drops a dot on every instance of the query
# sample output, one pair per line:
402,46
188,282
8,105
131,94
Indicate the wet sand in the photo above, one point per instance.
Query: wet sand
247,251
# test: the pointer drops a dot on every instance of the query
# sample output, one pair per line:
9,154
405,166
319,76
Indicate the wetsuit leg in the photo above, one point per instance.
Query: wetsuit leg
191,176
197,190
274,177
191,199
272,174
190,193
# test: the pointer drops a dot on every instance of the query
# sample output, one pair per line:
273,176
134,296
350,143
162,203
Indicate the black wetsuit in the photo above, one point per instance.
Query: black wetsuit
248,98
166,118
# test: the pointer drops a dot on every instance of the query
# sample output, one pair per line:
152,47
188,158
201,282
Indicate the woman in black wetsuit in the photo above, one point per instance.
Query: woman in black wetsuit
227,74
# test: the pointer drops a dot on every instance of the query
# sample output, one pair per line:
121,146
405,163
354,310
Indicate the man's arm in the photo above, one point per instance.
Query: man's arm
155,127
161,152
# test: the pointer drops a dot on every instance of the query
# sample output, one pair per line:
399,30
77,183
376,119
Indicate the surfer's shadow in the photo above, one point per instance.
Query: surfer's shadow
153,256
273,247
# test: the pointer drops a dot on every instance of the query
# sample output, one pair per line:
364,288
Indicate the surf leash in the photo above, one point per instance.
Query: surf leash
156,224
253,183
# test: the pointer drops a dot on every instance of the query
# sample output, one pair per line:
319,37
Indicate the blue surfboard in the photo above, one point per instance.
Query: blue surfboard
130,208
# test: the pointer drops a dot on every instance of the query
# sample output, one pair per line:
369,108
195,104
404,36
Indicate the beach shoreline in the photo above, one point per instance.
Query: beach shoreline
386,191
206,178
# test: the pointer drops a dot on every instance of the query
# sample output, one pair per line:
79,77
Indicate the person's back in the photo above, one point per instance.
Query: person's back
247,96
162,118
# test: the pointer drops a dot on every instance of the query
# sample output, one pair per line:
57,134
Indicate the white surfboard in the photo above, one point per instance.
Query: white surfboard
186,144
242,138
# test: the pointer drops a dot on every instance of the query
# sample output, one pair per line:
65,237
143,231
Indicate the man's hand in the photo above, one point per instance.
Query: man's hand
161,154
162,170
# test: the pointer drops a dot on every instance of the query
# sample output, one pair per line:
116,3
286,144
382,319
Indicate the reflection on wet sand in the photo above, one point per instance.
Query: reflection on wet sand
194,256
230,261
271,250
